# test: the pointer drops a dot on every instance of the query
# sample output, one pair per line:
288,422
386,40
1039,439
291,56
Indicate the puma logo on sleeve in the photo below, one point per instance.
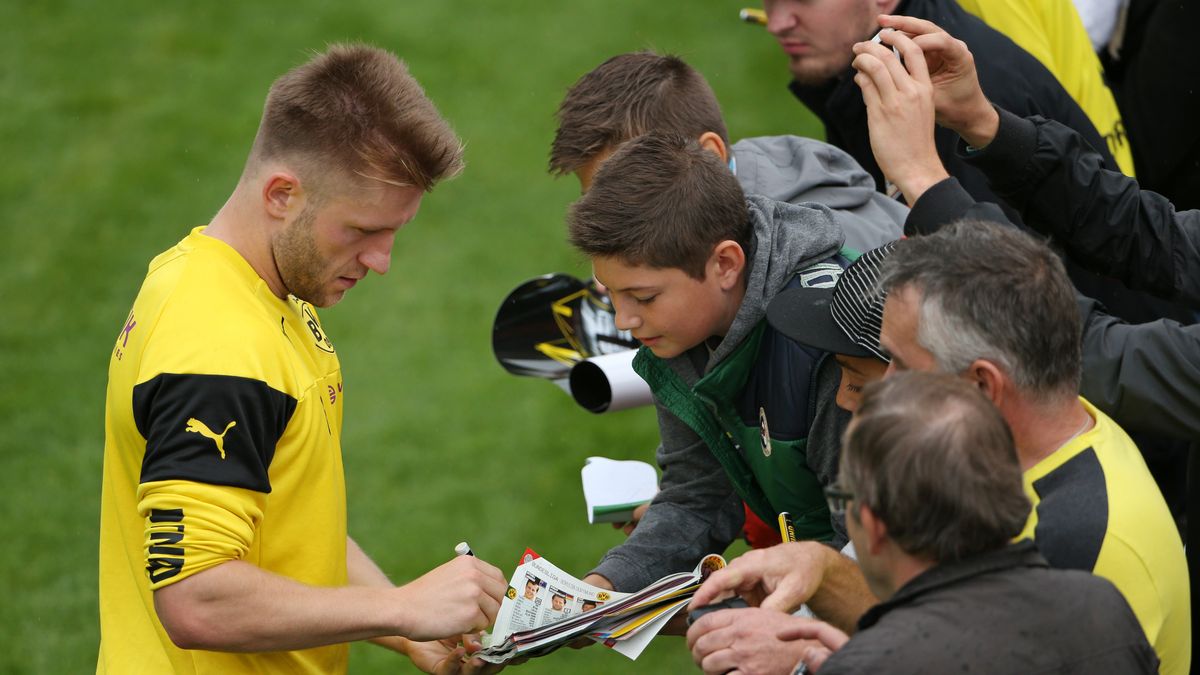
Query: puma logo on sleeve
196,426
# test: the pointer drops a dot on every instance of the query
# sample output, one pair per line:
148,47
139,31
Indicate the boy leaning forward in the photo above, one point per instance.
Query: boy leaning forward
744,413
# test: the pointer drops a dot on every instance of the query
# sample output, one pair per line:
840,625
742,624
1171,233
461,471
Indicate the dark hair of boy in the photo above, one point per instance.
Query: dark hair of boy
627,96
661,201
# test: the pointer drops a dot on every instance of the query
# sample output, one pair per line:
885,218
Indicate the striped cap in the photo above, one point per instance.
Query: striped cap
855,306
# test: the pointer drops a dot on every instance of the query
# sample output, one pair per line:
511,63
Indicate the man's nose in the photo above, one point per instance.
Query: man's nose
378,255
891,370
779,19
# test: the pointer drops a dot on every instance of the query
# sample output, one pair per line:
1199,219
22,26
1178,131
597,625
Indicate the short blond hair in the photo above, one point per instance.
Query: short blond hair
357,110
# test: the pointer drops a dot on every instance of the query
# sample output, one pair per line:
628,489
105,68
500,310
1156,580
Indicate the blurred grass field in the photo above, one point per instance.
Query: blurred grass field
125,124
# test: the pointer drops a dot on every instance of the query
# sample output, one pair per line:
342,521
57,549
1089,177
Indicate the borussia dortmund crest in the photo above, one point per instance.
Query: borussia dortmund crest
765,432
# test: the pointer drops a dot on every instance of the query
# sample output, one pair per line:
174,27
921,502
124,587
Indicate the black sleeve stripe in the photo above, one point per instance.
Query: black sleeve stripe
215,429
1072,513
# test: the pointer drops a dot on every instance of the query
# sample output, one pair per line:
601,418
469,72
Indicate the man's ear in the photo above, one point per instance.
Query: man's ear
991,380
710,140
281,193
874,528
727,262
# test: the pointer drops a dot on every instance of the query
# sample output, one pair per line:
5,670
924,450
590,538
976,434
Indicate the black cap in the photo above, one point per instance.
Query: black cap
845,319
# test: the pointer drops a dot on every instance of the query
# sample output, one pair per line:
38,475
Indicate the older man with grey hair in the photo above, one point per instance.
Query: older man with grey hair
991,304
933,495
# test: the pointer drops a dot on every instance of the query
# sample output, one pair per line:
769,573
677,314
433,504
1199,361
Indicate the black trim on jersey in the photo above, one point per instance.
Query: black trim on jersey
165,558
188,420
1072,513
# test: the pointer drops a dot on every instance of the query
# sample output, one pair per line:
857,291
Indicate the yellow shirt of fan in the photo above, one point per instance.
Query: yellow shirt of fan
1053,33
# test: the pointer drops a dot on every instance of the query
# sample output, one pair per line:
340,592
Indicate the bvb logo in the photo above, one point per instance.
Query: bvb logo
603,596
765,433
511,593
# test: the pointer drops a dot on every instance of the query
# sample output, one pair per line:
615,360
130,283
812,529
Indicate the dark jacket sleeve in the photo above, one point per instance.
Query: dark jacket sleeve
945,203
1058,184
696,512
1144,376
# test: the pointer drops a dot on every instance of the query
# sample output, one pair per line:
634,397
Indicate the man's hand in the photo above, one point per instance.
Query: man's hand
779,578
628,528
785,576
598,581
460,596
445,657
827,641
899,101
958,100
746,640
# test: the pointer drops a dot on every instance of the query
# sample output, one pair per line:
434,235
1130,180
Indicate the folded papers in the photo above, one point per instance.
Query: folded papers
545,608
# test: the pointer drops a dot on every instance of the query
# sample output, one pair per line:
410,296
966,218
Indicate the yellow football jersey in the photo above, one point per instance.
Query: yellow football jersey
1053,33
222,442
1097,508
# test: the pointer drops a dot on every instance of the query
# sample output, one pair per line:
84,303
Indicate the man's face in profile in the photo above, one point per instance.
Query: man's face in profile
817,35
901,328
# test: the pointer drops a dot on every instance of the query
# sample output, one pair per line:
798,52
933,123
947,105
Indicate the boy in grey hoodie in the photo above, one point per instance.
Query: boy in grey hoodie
744,413
639,92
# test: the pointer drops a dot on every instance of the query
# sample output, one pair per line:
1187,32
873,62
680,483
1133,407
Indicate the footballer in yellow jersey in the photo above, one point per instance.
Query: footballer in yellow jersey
222,442
223,538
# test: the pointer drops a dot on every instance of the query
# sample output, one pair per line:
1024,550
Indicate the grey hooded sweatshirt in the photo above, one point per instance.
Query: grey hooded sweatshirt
797,170
697,511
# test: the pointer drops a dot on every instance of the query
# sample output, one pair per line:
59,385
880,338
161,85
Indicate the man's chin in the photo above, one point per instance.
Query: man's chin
330,300
322,300
809,74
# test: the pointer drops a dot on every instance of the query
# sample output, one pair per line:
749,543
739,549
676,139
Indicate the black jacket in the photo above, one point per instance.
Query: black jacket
1012,79
1010,76
1000,612
1101,218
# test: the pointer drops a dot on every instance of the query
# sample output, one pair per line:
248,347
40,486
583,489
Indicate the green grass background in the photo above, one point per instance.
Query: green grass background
124,124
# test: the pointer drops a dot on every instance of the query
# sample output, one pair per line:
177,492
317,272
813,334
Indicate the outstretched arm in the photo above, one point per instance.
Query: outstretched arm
786,576
221,608
696,512
1054,178
1103,220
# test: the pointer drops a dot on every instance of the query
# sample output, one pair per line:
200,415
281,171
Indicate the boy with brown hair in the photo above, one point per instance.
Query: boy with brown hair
744,413
639,92
636,93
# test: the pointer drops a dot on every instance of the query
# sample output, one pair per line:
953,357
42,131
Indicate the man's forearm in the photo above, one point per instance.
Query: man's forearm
239,607
843,596
362,571
1061,186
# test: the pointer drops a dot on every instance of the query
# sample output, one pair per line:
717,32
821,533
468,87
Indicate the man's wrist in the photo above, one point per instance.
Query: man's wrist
395,643
915,186
981,129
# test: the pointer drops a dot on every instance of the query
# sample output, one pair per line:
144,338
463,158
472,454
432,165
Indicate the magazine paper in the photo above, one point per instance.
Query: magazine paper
545,608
